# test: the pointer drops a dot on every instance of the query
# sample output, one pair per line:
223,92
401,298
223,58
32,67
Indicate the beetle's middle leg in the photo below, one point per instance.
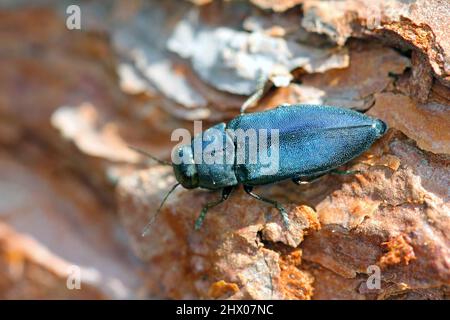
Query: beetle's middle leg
225,193
280,208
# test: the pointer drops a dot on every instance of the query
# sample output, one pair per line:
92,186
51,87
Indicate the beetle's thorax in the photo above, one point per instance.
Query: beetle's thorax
208,162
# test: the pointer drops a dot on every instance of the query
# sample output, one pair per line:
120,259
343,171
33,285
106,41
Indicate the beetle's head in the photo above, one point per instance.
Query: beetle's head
184,166
380,127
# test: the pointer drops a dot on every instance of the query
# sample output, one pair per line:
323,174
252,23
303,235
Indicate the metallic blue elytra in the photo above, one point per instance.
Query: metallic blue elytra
312,140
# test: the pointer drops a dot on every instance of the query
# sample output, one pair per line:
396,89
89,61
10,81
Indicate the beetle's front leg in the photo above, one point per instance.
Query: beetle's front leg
225,193
280,208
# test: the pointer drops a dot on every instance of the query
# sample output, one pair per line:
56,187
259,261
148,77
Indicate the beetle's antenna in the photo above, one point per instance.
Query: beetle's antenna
145,153
153,218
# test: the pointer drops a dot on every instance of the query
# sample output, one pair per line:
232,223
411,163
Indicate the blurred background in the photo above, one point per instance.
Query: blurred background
81,80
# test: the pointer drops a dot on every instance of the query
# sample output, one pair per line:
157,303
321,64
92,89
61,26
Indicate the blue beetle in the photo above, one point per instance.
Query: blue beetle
313,140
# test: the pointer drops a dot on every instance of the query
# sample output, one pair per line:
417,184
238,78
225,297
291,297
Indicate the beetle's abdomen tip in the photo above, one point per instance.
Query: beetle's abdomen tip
381,127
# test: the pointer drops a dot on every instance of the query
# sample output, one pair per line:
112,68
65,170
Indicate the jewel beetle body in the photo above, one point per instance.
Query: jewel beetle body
313,140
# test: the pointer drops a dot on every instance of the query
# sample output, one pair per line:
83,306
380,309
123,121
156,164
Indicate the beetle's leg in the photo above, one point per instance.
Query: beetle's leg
280,208
345,172
225,193
306,180
311,179
257,95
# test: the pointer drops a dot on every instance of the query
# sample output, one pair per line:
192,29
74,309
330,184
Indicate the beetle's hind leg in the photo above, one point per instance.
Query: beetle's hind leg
345,172
261,88
307,180
311,179
280,208
225,193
